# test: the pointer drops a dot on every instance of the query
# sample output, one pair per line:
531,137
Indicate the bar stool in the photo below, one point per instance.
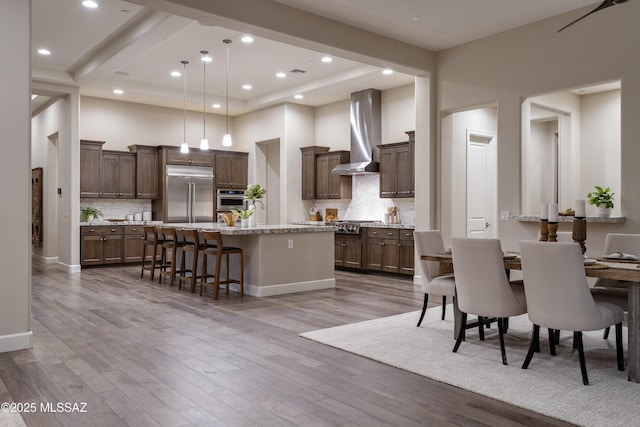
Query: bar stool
171,243
151,241
192,245
214,247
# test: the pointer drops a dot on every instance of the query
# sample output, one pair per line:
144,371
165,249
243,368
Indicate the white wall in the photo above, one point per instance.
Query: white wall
121,124
15,164
534,60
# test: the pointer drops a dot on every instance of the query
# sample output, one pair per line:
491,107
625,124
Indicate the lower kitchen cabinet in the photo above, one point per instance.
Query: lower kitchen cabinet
132,243
100,245
390,250
348,251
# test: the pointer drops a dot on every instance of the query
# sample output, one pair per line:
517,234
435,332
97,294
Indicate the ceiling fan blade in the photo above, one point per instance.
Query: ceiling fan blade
605,4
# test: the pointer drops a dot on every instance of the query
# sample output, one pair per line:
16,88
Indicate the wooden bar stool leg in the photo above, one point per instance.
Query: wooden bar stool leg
241,274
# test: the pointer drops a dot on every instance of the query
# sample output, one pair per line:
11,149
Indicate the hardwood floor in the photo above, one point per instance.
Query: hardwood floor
143,354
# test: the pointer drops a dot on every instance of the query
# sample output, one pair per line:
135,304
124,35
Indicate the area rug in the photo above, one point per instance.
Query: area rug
551,386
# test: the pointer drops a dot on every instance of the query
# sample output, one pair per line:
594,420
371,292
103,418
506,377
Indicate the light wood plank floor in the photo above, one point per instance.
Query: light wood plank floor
143,354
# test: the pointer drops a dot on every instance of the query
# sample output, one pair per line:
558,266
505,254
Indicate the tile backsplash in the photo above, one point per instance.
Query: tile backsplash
117,208
366,204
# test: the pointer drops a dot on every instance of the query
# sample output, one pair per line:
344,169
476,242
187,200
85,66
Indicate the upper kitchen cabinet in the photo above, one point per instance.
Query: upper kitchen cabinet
397,169
146,171
329,186
195,157
91,168
118,175
231,169
309,170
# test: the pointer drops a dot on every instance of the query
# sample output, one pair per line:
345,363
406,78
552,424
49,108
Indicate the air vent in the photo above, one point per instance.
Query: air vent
297,71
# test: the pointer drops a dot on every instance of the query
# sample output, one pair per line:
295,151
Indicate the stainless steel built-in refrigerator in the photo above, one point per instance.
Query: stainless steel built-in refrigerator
190,194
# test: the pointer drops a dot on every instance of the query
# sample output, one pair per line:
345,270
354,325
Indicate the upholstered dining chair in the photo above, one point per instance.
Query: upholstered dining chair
482,286
427,242
614,291
558,297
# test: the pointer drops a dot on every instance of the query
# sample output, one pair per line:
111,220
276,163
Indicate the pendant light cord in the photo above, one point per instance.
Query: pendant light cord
204,94
184,134
227,42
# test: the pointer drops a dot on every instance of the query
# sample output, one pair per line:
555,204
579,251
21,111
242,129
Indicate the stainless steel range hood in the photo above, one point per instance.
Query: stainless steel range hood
366,133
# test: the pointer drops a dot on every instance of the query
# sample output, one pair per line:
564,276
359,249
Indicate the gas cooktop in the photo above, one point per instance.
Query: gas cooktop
350,226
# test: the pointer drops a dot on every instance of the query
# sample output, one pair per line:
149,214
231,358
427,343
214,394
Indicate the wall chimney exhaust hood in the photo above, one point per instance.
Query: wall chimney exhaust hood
366,133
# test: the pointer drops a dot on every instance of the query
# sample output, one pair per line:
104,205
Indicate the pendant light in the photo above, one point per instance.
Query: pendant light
184,147
204,142
226,139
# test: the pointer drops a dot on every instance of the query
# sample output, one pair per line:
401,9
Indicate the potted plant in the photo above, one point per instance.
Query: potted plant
253,194
87,214
602,198
244,215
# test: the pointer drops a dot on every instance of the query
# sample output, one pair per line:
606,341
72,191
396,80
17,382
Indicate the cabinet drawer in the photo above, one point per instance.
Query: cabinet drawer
406,234
100,230
383,233
133,229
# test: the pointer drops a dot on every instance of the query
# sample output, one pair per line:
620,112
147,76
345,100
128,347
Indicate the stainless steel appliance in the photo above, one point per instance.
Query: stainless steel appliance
189,193
350,226
228,199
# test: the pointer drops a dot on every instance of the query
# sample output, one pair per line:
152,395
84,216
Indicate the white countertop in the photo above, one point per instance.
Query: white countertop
363,224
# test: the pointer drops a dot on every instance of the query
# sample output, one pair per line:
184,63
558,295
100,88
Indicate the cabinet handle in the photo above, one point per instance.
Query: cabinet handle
92,231
134,229
381,243
113,230
389,233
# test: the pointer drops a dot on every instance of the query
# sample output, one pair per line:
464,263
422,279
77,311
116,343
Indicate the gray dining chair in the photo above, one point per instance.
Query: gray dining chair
482,286
558,297
615,291
427,242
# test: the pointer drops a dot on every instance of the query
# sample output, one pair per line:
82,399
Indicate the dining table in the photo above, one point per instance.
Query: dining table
625,271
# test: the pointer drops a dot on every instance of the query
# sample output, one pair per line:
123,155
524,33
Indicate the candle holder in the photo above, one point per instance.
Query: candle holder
544,230
579,234
553,231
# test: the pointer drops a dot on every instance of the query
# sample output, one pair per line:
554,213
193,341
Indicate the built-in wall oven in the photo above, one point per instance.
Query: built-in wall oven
227,199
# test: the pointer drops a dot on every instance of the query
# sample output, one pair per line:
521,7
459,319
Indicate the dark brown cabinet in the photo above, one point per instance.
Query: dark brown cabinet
309,170
348,251
118,175
231,170
91,168
328,185
390,250
100,245
195,157
146,171
132,243
396,170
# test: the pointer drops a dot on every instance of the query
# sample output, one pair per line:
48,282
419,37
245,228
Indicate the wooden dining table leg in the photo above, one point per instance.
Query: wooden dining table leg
633,327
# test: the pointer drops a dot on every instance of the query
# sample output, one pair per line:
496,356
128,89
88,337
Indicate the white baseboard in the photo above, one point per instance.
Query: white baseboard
69,268
288,288
43,259
13,342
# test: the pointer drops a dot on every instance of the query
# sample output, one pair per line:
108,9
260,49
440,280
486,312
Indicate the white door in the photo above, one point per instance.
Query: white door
481,181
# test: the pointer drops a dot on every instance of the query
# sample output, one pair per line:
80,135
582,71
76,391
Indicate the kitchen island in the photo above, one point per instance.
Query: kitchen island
279,259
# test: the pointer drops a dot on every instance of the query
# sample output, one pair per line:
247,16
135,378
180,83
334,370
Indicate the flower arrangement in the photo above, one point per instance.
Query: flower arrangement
254,193
601,197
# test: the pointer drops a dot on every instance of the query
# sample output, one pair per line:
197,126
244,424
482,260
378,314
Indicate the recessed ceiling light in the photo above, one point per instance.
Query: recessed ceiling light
118,91
90,4
298,96
246,87
387,71
176,74
216,105
327,59
44,51
281,75
247,39
33,96
415,18
122,73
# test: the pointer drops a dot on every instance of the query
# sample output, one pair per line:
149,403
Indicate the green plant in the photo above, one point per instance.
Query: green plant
87,213
254,193
243,213
601,197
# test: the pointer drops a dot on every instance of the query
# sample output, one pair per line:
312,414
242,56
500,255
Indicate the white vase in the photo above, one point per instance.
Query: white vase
245,222
253,220
602,211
